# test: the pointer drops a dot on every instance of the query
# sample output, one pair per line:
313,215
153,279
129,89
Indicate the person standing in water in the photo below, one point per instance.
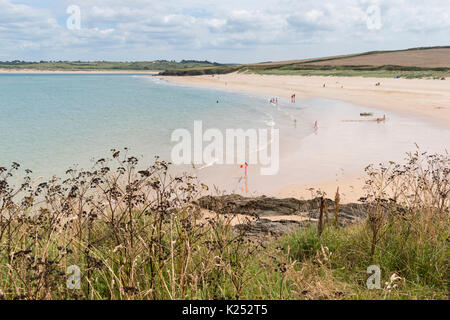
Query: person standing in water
245,187
246,177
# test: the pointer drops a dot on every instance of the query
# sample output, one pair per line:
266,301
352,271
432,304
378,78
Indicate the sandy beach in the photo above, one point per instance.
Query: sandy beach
429,99
337,155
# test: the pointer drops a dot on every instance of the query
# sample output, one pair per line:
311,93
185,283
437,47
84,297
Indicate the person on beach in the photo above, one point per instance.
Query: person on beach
245,167
316,126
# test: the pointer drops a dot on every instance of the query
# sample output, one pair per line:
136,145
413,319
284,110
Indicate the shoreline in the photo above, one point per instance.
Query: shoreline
428,99
34,71
407,106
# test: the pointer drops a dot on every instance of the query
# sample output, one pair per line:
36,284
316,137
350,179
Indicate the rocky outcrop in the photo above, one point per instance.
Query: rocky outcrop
278,216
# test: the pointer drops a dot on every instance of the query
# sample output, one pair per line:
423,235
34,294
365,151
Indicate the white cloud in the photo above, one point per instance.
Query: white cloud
239,30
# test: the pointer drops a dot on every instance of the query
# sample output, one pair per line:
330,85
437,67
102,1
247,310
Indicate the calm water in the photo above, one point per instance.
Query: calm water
51,122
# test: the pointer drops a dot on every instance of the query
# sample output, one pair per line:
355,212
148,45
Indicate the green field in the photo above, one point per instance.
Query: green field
355,71
105,65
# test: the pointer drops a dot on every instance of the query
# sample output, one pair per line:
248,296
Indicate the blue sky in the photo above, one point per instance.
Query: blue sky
224,31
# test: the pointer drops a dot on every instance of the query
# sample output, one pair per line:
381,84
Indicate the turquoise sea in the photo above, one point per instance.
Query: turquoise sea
49,123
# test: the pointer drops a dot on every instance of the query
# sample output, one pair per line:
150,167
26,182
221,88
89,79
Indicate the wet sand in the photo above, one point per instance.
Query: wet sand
417,112
429,99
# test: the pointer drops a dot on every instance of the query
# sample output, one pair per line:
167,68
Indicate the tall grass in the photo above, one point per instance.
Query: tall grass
406,233
135,232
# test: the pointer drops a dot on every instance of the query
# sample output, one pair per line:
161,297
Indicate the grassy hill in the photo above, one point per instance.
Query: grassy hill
432,62
105,65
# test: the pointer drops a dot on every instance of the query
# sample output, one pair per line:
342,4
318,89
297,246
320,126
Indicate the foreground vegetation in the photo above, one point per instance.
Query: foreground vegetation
137,233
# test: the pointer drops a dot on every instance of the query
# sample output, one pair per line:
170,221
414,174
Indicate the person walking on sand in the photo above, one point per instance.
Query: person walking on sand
316,126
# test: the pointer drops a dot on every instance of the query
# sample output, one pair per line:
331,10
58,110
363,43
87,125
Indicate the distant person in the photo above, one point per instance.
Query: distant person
316,125
381,119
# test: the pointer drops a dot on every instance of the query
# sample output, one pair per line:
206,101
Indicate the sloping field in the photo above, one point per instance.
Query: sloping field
302,61
430,62
422,58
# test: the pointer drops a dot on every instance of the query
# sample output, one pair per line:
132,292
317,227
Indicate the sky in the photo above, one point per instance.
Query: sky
226,31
